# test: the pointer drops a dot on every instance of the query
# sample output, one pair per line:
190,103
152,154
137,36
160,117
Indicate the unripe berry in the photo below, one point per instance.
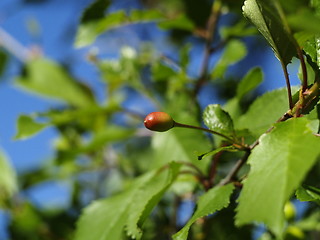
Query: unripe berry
158,121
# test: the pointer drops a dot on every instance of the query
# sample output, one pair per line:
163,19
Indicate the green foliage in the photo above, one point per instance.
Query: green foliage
210,202
136,180
27,127
8,181
269,19
276,170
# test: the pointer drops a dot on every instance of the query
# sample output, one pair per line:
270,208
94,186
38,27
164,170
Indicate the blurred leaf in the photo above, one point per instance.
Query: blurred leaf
240,29
249,82
235,51
8,181
110,216
308,193
27,127
311,222
3,61
109,134
305,20
179,145
181,22
264,111
48,79
95,11
276,170
88,32
213,200
147,197
216,119
269,19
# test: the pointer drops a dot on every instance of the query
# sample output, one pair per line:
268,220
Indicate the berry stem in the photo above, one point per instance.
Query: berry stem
176,124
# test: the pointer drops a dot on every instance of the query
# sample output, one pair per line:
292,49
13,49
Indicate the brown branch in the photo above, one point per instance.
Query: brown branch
286,75
304,70
211,28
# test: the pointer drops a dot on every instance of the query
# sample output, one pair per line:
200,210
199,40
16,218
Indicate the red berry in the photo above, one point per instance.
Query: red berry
158,121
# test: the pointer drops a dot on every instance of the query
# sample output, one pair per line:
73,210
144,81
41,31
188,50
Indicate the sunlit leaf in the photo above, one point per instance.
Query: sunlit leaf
250,81
48,79
216,119
278,165
27,127
8,181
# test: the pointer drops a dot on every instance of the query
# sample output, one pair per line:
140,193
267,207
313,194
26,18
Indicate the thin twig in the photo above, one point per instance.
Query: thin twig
286,75
211,28
304,70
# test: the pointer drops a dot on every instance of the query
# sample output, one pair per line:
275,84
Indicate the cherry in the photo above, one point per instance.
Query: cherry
159,121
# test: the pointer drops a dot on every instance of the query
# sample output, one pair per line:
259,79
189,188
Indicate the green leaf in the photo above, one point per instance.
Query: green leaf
179,145
8,181
27,127
88,32
217,150
278,165
250,81
147,197
213,200
234,52
105,219
181,22
216,119
308,193
269,19
48,79
265,110
127,210
240,29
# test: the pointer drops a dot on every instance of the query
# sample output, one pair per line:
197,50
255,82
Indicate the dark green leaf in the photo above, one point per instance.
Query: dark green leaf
278,165
216,119
250,81
48,79
213,200
27,127
3,61
269,19
95,11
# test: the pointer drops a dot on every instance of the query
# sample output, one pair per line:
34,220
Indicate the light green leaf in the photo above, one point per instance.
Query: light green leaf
27,127
216,119
181,22
234,52
278,165
147,197
8,181
48,79
268,17
213,200
127,210
217,150
88,32
249,82
265,110
105,219
179,145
